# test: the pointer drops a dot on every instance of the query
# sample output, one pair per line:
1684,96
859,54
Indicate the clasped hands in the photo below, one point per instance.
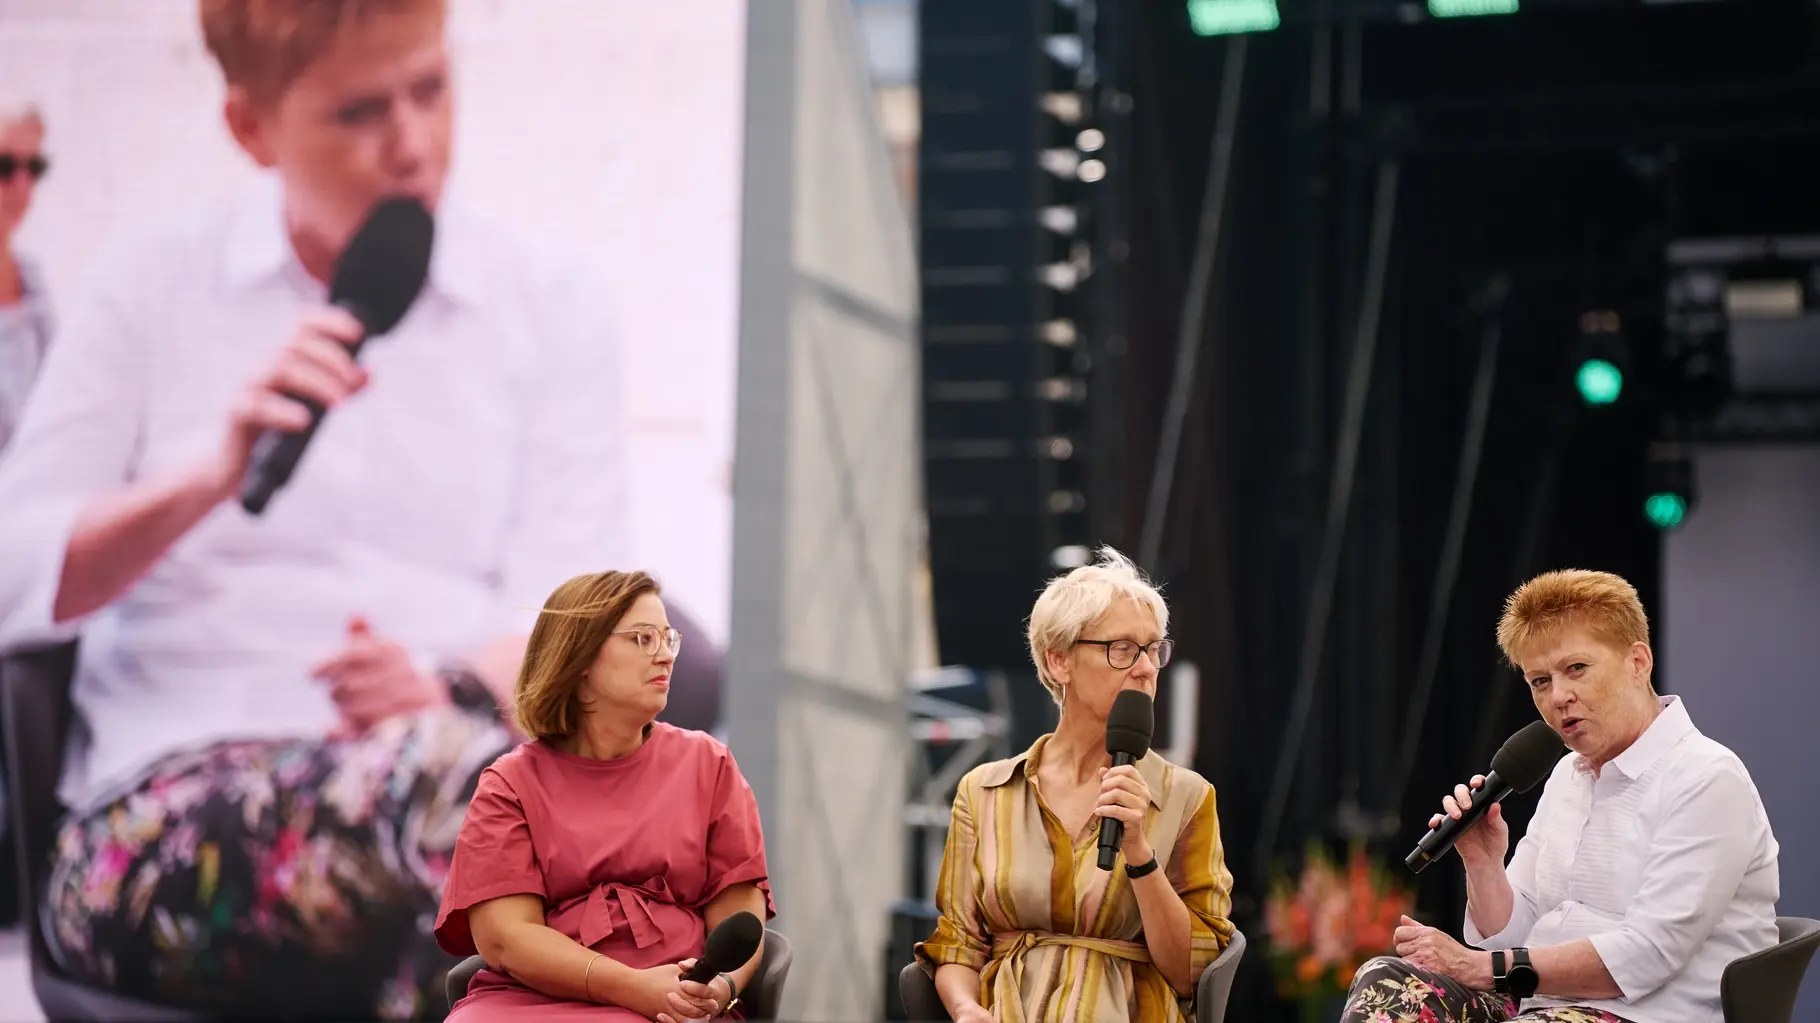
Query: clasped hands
682,1001
373,678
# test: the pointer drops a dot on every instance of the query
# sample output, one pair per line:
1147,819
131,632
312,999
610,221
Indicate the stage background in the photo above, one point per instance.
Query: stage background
1740,583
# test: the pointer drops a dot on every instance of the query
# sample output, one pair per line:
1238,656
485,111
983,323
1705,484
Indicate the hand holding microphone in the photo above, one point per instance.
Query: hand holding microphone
1486,842
376,281
1522,763
315,369
731,945
1123,795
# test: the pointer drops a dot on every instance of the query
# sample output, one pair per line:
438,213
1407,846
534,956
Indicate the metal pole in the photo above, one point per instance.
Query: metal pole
1472,446
1194,304
1339,504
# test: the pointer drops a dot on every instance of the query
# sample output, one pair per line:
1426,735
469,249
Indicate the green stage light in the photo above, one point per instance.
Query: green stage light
1668,485
1665,510
1600,358
1470,8
1599,382
1231,17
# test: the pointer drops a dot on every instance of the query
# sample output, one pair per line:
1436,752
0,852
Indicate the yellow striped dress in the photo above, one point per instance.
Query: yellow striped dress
1055,938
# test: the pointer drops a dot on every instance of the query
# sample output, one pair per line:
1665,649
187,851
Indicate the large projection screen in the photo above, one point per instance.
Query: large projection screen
609,132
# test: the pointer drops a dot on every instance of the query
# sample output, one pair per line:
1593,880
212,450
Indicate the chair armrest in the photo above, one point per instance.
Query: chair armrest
766,988
455,985
1215,985
916,989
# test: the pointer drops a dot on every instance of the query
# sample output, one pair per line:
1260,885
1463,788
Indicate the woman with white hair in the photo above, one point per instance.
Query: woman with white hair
25,319
1031,929
25,315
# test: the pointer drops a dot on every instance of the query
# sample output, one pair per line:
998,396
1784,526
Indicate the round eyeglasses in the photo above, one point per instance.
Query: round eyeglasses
650,639
1123,653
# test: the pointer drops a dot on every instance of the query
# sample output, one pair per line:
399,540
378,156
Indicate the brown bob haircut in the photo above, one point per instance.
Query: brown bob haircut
264,45
576,620
1603,603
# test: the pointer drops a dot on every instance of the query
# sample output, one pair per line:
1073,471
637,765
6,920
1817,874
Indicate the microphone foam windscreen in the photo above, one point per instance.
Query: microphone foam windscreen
1130,724
385,265
733,942
1528,757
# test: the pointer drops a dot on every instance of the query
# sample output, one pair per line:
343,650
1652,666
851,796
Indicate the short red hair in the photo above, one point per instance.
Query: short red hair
264,45
1603,603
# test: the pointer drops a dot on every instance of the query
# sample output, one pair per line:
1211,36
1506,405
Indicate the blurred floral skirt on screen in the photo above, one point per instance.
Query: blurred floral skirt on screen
275,877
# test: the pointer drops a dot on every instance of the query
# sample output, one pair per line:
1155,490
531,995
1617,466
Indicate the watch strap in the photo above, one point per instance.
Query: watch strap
1136,872
1500,972
467,691
732,994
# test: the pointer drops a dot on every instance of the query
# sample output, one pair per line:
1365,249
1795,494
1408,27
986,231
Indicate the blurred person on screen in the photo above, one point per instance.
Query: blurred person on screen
597,857
25,313
282,718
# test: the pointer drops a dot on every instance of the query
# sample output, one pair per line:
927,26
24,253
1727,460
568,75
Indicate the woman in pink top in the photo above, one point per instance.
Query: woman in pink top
595,858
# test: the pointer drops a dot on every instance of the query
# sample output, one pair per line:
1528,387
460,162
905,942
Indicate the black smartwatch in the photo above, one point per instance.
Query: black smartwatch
1513,975
1136,872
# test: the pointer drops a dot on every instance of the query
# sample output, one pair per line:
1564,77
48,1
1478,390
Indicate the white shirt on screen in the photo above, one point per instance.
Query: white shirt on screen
481,467
25,337
1664,860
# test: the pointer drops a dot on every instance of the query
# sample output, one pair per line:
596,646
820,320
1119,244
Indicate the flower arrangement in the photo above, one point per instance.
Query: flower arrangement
1327,922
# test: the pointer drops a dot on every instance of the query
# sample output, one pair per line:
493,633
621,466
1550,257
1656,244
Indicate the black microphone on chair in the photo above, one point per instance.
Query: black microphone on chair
377,279
1128,729
1522,763
731,945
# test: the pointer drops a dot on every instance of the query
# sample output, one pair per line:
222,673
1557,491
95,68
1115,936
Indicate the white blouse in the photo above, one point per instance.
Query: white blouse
1664,859
25,338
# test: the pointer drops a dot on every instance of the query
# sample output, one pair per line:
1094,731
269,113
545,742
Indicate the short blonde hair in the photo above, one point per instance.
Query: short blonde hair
265,45
1076,600
576,620
1603,603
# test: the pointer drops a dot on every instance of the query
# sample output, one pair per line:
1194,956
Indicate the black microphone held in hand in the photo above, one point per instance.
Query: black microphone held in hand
1521,764
1128,728
377,279
730,946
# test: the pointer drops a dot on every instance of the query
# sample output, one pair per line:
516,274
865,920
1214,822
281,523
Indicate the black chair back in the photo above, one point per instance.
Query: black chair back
36,712
917,991
766,991
455,985
1761,987
34,688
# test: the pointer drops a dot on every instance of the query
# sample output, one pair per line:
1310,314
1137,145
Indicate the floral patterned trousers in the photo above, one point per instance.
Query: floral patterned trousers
1390,990
275,879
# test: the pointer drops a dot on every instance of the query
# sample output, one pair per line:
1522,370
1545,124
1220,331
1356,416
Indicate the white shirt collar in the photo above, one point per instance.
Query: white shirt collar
1669,728
258,249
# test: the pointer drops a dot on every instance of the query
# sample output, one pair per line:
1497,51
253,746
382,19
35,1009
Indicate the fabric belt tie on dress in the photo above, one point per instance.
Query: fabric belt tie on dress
1016,943
1004,973
597,918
